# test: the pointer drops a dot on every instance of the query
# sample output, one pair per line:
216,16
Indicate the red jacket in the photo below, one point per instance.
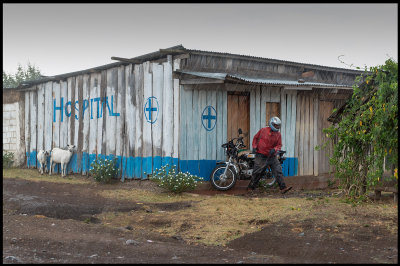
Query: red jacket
267,140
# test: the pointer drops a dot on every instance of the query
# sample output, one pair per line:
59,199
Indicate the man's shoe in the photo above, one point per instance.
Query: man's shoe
286,189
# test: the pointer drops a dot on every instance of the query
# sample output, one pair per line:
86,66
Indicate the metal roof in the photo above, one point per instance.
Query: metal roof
261,81
179,49
274,60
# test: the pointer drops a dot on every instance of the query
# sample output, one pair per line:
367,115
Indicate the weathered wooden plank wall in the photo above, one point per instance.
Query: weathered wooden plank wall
130,122
147,126
57,115
94,93
64,124
138,88
176,110
200,159
33,124
48,117
27,129
120,105
200,145
70,113
40,117
102,114
86,123
311,119
158,84
325,110
168,114
288,118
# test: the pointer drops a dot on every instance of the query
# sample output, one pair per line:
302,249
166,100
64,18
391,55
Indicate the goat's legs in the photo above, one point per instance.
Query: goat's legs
51,167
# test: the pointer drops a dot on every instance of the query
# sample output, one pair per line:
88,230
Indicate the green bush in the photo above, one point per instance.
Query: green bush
8,159
103,170
365,139
177,182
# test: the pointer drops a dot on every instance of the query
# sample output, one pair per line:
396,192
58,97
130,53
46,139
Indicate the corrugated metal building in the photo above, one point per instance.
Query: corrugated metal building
177,106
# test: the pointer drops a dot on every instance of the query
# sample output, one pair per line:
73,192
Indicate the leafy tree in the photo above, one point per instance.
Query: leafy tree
366,137
31,72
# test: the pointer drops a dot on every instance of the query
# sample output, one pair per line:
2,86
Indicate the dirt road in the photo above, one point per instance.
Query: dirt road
46,222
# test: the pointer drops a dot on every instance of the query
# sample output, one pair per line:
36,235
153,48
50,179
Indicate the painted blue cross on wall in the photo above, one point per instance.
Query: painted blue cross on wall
149,109
210,118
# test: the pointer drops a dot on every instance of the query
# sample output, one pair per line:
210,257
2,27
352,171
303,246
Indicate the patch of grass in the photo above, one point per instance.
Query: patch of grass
34,175
213,220
219,219
216,220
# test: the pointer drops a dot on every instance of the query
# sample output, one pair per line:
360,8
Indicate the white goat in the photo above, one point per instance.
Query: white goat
61,156
42,159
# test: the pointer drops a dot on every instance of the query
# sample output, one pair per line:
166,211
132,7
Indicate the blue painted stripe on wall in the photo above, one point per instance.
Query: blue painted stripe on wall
48,164
183,166
147,166
85,163
132,166
73,163
175,161
290,167
157,162
193,167
32,159
206,167
124,167
166,160
92,158
285,167
137,167
119,161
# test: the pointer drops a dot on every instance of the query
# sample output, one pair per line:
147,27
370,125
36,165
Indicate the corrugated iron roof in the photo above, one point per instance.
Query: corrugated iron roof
178,50
262,81
272,60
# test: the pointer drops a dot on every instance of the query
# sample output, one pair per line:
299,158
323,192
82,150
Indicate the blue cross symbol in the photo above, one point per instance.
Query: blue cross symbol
148,108
209,117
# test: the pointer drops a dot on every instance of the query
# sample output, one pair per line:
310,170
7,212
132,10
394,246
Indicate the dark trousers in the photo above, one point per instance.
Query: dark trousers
261,163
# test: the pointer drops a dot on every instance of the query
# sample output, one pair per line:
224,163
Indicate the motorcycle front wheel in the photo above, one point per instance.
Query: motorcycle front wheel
220,181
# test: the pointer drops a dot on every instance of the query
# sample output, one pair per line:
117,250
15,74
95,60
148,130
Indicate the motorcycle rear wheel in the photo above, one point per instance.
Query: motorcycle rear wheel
220,182
268,181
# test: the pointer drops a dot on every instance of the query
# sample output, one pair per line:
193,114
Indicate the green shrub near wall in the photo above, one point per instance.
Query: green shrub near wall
8,159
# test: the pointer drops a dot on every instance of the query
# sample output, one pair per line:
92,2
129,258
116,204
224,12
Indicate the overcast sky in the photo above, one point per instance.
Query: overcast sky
63,38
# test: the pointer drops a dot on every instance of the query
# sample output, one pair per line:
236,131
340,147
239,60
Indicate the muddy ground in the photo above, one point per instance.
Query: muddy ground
46,222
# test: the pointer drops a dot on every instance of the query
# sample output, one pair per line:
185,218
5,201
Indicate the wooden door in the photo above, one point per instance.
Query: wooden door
239,116
272,109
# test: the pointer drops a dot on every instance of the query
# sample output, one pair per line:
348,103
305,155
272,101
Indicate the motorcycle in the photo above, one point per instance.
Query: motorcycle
239,166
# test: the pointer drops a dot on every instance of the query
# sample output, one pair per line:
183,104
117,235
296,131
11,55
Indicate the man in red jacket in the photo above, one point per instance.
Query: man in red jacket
266,144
